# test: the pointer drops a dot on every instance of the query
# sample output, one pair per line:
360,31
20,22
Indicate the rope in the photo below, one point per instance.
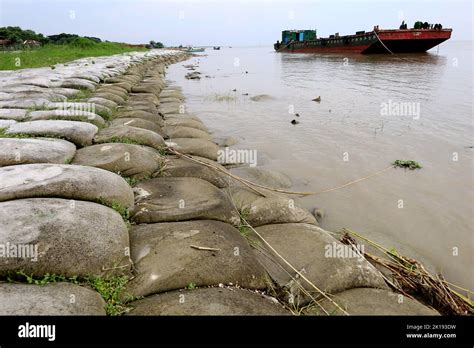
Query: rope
295,270
291,266
383,43
266,254
252,185
405,59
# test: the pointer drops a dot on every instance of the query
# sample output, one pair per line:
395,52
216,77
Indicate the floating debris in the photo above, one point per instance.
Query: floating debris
410,277
193,76
261,97
412,165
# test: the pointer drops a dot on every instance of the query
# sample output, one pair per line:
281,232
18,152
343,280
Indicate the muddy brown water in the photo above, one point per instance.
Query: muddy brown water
373,110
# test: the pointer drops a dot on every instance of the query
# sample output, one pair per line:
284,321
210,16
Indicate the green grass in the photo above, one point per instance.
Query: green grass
243,227
50,55
121,210
134,181
111,288
84,93
125,140
131,181
4,134
112,291
246,231
163,151
191,286
46,279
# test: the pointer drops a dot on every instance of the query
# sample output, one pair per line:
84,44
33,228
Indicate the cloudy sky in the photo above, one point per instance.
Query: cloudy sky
232,22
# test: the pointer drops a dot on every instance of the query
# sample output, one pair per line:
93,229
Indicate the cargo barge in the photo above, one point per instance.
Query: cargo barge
402,40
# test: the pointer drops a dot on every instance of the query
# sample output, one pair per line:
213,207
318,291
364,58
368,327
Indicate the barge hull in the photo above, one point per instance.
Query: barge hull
397,41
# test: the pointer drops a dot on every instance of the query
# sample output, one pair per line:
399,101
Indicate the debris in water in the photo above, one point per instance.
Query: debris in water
261,97
412,165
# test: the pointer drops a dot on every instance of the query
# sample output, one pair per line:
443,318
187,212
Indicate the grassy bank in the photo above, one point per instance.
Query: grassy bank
51,54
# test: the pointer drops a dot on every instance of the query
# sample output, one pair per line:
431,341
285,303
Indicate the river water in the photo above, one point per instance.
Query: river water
373,110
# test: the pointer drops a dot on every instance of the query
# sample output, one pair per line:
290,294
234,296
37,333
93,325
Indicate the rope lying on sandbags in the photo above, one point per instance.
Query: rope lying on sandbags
299,273
296,271
253,185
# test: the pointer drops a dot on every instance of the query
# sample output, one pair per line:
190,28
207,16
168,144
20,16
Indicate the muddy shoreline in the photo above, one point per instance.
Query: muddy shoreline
90,191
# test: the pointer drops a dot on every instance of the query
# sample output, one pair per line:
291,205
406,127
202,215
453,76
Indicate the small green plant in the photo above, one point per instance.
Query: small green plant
105,114
112,291
412,165
131,181
68,160
244,229
191,286
123,211
163,151
4,134
83,93
119,208
111,288
46,279
125,140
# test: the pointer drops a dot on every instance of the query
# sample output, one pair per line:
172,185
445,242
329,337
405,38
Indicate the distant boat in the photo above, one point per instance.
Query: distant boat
421,38
217,48
195,49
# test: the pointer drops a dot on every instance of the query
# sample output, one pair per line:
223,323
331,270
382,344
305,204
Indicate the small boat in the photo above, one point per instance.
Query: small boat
217,48
195,49
421,38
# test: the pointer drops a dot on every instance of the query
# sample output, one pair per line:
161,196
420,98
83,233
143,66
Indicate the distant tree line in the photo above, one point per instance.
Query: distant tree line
64,39
16,35
154,44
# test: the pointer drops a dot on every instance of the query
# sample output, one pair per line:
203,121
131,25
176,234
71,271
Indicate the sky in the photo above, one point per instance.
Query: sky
231,22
